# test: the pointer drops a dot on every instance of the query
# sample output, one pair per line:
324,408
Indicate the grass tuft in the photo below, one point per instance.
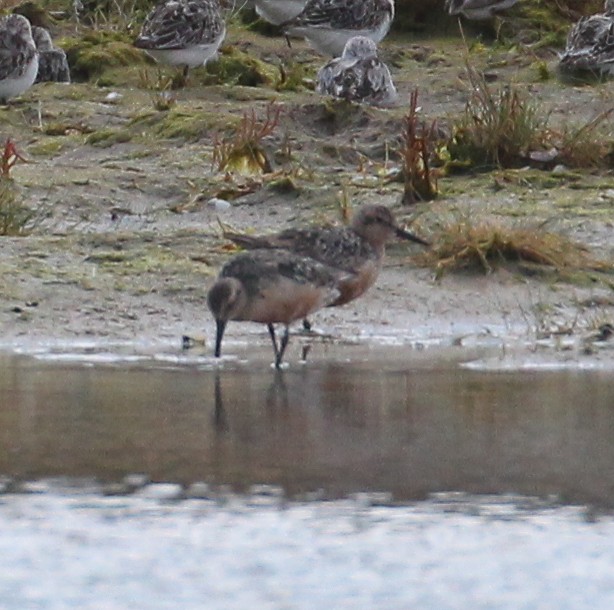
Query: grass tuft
503,129
420,182
587,145
14,215
94,52
497,129
242,151
234,67
483,246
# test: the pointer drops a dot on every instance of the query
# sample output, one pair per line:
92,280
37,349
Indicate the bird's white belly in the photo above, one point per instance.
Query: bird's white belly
10,87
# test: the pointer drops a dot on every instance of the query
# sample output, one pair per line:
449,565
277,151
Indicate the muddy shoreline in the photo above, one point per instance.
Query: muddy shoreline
128,240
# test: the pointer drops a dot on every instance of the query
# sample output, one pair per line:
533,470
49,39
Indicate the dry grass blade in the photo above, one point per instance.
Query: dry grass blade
160,89
16,219
498,128
420,180
243,150
585,146
481,247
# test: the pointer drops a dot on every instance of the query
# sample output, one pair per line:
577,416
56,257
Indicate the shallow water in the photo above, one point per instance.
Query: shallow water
369,477
62,548
354,418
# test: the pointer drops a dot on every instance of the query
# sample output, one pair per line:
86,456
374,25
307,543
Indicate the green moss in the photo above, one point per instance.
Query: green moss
237,93
74,92
46,148
234,67
292,77
550,21
96,51
104,138
249,18
10,116
190,124
541,71
55,129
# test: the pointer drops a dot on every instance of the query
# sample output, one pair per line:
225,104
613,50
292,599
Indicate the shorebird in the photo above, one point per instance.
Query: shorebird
18,56
478,10
356,250
328,24
183,32
52,62
270,286
279,11
590,44
358,75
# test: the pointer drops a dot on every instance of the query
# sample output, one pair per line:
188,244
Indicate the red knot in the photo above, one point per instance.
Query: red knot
270,287
357,250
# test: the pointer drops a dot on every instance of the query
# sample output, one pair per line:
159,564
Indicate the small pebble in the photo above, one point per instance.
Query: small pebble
559,170
220,205
114,96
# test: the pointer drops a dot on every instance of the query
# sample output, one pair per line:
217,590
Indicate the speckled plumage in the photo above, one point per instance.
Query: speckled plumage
18,56
52,62
358,75
357,250
183,32
328,24
270,286
478,10
590,44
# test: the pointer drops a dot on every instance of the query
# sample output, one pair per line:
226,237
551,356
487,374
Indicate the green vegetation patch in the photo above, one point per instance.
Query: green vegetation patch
234,67
15,217
550,21
505,128
90,55
104,138
188,124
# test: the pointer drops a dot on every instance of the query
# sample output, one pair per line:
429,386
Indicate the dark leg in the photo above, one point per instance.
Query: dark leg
282,348
219,335
180,79
306,325
273,340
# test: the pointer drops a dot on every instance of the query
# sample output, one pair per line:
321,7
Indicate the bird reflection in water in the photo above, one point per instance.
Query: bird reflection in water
276,398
